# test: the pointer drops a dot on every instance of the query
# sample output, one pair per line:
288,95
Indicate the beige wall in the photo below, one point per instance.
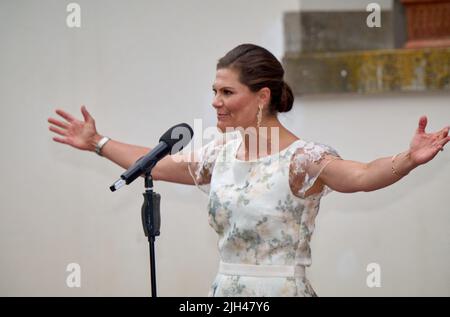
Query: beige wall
142,66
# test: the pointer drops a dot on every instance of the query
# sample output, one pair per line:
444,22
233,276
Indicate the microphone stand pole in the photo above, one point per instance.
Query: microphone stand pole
151,221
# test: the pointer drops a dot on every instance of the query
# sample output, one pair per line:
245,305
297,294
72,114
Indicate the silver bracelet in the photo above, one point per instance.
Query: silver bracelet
100,144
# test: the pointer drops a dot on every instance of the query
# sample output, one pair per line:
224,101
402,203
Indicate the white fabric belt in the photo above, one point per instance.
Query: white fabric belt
261,270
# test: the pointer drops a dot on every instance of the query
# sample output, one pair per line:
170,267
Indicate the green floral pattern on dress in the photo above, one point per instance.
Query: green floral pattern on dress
262,211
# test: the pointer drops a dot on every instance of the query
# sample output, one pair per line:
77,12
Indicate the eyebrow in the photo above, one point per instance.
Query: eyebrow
230,88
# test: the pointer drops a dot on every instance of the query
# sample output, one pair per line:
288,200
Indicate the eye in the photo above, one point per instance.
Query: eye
227,92
214,92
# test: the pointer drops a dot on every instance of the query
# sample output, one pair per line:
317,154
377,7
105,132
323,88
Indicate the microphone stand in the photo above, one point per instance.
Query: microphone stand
151,221
150,213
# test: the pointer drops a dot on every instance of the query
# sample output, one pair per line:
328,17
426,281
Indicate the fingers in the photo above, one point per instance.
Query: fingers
57,130
65,115
60,140
86,115
442,142
442,134
58,123
422,124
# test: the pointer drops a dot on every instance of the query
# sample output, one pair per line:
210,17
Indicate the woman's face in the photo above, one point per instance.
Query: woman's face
235,103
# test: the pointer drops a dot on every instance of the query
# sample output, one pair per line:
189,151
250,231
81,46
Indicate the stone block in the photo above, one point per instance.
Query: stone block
339,31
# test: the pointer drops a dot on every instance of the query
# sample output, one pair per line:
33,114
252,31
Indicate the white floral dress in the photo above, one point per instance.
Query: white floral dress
262,211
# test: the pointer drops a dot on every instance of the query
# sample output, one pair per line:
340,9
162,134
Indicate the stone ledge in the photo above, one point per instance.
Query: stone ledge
367,72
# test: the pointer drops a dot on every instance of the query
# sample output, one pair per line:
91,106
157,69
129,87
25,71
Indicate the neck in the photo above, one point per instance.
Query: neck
264,140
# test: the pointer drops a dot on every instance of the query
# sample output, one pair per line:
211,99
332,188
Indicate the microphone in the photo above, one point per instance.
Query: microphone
173,141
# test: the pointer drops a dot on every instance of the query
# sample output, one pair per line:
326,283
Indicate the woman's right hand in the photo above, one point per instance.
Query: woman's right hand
81,135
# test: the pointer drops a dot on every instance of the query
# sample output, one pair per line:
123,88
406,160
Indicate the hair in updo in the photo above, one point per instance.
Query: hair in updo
258,68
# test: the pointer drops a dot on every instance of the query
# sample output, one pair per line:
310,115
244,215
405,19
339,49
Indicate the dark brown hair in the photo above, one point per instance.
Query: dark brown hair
258,68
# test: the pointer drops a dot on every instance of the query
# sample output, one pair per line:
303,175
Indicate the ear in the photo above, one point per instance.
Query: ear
264,96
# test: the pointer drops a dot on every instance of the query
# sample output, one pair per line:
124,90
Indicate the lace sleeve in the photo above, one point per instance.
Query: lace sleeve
307,164
202,163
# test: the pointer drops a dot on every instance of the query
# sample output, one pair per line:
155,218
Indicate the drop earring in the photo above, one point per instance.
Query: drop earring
259,116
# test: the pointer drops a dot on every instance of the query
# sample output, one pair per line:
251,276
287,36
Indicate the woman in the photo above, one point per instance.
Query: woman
262,203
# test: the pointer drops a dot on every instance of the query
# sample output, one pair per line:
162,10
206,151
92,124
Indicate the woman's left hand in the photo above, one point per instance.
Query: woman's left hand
424,146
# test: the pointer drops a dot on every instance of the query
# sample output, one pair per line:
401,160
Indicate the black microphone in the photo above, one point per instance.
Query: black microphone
172,142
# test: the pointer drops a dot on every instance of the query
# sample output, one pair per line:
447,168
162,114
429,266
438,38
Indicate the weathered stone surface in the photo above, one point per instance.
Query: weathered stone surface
367,72
340,31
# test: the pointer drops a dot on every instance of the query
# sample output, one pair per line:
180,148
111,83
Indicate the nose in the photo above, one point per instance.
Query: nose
217,102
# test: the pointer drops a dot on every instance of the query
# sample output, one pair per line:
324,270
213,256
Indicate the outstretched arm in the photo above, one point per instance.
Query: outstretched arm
83,135
350,176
